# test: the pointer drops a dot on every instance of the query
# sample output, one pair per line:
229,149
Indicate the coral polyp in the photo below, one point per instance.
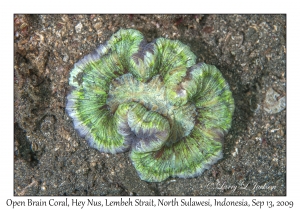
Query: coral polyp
152,100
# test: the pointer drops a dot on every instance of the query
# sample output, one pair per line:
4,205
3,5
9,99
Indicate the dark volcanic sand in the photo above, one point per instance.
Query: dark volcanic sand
51,159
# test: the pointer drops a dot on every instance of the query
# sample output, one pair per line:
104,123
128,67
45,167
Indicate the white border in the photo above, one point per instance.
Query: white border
154,6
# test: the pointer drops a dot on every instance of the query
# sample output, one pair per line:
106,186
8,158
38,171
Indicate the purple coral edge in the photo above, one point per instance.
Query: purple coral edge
84,131
198,172
95,55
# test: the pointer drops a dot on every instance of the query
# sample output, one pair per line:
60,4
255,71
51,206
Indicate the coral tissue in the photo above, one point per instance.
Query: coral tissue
153,100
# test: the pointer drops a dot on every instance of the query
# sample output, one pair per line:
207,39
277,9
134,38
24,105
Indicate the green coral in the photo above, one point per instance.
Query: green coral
154,100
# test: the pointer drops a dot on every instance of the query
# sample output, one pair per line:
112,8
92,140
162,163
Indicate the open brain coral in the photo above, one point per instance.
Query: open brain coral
154,100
